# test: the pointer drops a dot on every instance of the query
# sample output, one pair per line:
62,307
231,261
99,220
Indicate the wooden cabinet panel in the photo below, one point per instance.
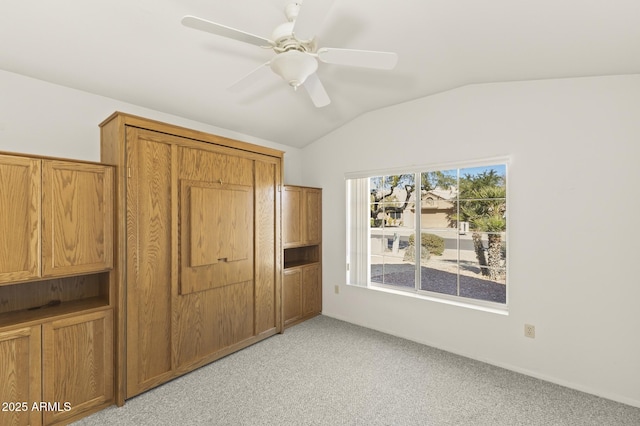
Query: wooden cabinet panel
209,321
216,222
20,218
313,215
292,295
77,364
221,223
267,250
20,380
292,219
77,220
149,260
311,290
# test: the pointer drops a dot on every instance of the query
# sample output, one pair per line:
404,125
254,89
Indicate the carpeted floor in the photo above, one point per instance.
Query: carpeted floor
328,372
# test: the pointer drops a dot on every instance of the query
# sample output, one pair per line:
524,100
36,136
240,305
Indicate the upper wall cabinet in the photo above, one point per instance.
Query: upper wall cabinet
57,218
301,216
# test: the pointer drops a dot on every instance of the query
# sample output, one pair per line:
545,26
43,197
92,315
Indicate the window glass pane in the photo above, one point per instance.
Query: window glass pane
387,270
397,269
439,260
483,267
484,215
482,289
482,212
391,221
481,182
440,180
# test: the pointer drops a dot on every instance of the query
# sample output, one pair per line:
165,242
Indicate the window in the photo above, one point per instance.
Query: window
438,231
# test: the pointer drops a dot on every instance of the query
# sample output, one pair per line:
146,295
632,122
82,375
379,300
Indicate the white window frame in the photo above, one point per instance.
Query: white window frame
358,265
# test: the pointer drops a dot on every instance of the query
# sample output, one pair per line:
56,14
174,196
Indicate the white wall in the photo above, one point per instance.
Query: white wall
41,118
574,230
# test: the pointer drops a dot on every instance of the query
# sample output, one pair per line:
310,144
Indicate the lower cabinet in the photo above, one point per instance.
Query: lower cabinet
57,371
20,376
302,288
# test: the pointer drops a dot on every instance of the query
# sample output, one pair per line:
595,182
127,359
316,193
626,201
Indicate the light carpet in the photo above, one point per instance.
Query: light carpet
329,372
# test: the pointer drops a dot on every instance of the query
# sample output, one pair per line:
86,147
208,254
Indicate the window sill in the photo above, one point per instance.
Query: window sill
478,305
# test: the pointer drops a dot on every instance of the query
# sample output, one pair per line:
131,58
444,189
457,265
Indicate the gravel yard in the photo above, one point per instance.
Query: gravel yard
440,277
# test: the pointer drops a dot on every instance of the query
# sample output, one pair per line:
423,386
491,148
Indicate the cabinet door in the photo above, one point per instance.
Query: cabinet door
311,290
312,216
20,376
20,218
77,218
77,366
149,260
292,293
292,224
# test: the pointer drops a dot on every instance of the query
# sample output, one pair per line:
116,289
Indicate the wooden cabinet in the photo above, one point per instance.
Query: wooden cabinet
56,288
57,218
57,371
199,233
302,234
302,290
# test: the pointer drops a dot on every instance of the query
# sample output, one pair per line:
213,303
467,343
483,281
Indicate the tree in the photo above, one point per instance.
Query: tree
437,179
482,203
384,191
383,199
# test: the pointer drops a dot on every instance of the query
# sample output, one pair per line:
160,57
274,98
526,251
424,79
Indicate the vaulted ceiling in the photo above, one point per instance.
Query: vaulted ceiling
139,52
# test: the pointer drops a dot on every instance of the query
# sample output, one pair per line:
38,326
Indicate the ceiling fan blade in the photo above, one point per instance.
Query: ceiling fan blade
247,80
358,58
224,31
316,91
310,18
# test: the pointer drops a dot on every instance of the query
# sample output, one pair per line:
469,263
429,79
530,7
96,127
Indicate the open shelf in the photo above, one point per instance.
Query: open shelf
46,313
299,256
40,300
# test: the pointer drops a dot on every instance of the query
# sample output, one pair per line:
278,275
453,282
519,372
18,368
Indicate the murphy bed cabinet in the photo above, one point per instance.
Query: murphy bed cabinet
199,248
302,235
56,288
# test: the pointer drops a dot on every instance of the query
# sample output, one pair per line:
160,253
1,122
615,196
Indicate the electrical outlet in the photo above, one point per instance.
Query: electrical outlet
337,289
530,331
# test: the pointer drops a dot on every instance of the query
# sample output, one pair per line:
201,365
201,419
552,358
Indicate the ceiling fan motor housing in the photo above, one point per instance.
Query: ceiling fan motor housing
285,40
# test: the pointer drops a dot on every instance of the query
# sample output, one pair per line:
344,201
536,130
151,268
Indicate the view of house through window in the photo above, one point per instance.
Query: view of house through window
440,231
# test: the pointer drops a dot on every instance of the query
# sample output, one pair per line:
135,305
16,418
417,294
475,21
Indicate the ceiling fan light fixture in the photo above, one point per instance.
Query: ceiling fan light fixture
294,67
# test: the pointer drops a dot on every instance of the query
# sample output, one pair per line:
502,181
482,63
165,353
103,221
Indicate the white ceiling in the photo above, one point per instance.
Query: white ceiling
138,52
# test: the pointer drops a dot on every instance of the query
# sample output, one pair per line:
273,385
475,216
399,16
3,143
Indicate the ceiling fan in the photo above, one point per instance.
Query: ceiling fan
297,53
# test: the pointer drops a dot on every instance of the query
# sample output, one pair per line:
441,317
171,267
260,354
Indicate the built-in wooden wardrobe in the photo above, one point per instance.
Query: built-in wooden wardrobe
199,248
302,240
56,289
